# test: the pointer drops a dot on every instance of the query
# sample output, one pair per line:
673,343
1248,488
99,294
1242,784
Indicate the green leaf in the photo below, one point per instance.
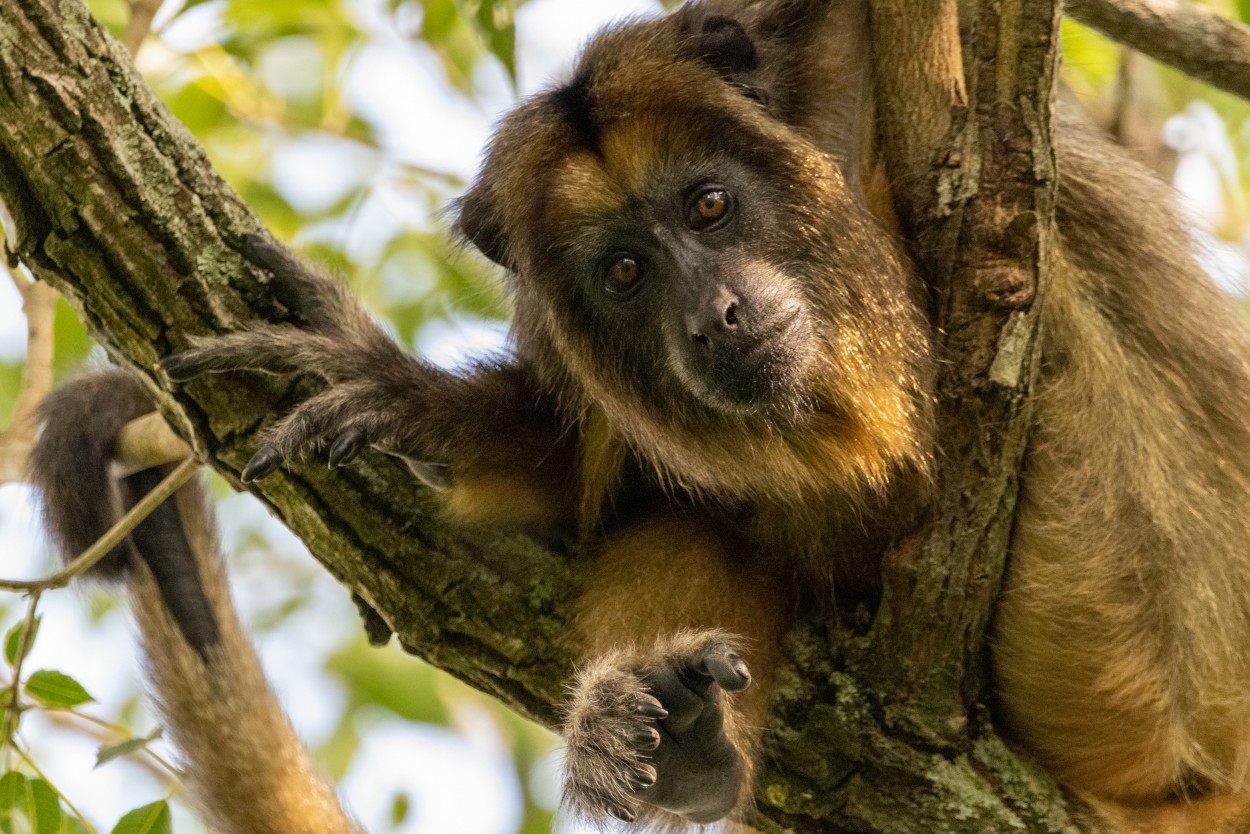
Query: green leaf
14,793
401,808
387,679
10,383
50,819
107,753
197,108
72,340
1243,10
30,805
150,819
438,20
13,640
495,19
55,689
112,13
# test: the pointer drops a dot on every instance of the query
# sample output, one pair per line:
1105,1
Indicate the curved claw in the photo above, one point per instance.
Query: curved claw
645,739
650,709
644,776
263,464
348,445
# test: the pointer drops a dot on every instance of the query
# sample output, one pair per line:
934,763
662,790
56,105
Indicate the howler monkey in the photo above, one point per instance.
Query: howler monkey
722,376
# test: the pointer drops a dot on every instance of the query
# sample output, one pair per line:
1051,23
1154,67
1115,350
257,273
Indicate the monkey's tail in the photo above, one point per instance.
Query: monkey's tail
248,770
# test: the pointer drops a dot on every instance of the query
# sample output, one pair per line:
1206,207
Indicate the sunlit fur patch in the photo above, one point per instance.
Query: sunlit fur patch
850,450
582,188
589,185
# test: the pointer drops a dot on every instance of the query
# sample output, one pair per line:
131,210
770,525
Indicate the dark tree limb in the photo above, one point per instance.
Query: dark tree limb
1185,35
975,155
110,200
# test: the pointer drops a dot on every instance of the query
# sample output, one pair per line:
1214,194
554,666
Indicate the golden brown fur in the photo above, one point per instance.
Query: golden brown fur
1120,646
1121,642
231,734
242,761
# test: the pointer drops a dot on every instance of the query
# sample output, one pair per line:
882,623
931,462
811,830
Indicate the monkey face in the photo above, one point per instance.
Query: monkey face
673,284
697,269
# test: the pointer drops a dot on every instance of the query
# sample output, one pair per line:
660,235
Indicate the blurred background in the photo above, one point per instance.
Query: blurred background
348,125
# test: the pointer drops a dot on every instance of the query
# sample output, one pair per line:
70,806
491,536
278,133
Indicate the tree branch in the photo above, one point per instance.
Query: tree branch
39,305
1185,35
151,446
111,201
142,12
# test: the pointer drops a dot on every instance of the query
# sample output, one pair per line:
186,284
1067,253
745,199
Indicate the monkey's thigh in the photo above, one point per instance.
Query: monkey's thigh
1085,682
680,631
670,573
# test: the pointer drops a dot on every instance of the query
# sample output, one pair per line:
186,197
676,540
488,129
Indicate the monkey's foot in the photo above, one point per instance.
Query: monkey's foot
650,731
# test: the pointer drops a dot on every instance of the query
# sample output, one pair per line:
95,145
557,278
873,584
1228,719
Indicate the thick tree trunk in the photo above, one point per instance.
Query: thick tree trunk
111,201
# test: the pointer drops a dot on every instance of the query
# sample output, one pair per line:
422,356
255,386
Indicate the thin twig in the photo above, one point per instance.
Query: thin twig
140,23
30,762
103,732
1190,37
39,304
105,544
13,708
148,441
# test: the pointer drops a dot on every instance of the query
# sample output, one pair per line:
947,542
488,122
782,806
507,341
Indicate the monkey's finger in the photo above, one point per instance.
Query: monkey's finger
650,708
645,739
270,256
261,465
324,303
727,669
312,421
643,776
275,348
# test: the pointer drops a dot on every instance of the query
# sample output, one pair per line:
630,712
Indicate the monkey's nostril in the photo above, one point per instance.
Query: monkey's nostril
731,314
701,339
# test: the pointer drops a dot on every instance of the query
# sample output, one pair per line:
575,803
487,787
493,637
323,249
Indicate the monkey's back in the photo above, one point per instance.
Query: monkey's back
1120,645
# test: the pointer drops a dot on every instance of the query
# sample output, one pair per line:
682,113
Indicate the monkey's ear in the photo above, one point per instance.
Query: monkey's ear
724,45
478,222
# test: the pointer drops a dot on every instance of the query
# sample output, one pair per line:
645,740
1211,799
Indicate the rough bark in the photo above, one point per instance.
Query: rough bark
1192,38
111,201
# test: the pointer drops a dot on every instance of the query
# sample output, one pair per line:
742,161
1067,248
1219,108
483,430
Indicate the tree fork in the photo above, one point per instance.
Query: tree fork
110,200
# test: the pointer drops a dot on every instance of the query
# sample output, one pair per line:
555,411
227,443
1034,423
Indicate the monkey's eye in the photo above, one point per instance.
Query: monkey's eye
624,274
709,209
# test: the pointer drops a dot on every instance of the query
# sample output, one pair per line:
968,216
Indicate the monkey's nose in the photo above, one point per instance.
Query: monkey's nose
717,317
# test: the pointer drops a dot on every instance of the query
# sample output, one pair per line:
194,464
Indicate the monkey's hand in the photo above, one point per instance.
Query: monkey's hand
376,394
652,732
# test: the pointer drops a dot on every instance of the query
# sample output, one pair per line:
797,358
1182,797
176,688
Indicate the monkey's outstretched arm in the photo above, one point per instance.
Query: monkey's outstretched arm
249,772
489,434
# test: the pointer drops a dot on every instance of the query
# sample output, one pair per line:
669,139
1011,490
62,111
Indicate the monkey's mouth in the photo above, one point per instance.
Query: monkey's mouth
759,372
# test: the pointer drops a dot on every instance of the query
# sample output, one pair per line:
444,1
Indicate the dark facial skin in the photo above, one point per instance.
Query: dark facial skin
680,279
